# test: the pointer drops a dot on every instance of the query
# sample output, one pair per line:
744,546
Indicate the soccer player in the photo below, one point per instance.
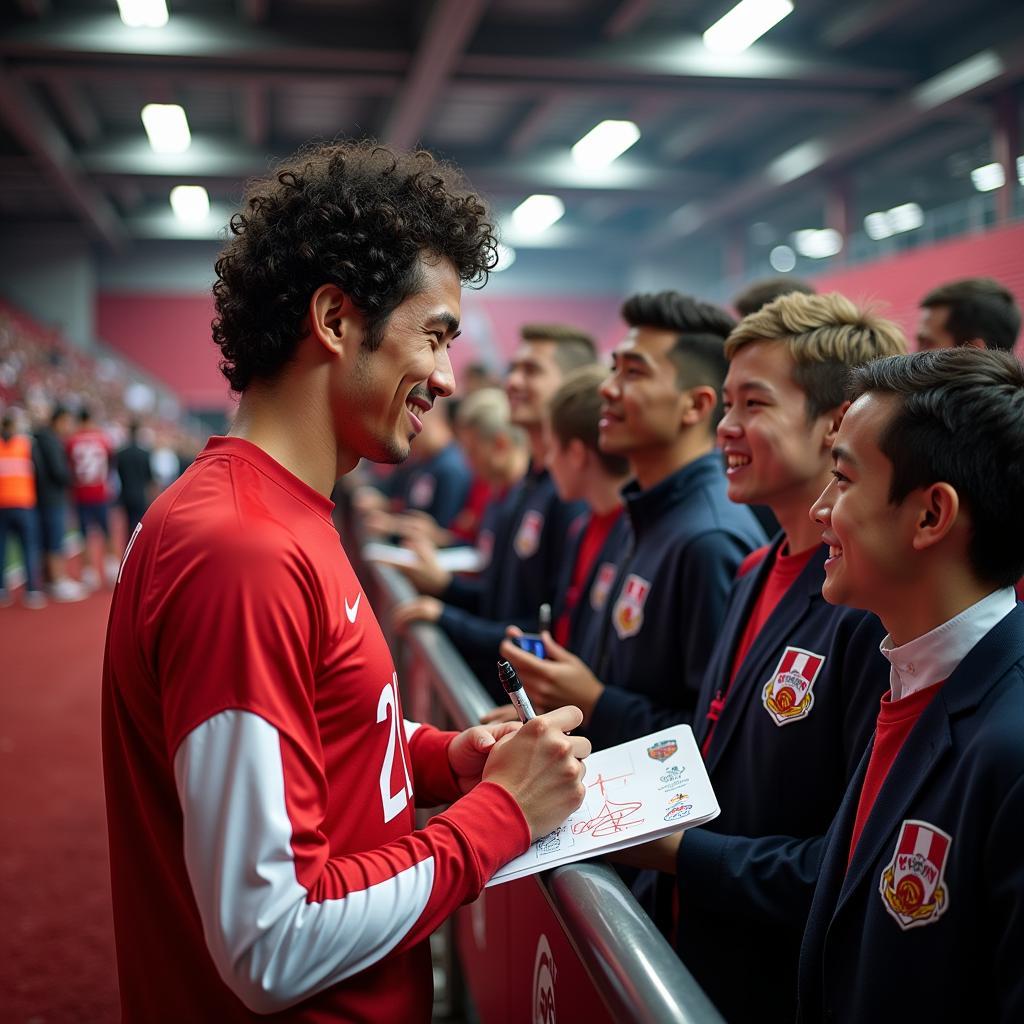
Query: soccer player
436,484
89,453
685,538
260,778
530,527
923,873
788,701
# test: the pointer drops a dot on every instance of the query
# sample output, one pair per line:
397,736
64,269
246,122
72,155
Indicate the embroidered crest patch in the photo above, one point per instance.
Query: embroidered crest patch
528,535
913,883
421,494
602,586
485,545
788,695
628,613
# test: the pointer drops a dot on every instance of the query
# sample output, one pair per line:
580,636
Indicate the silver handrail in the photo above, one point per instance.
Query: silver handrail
636,972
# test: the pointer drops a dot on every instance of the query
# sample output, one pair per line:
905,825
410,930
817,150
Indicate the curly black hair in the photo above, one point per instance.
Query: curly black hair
354,214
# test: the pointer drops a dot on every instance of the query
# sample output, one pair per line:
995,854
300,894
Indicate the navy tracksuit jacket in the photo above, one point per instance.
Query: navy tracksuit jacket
960,774
951,815
775,772
529,526
668,601
440,485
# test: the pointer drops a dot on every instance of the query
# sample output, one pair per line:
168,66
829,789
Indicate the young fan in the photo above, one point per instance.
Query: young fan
924,866
685,538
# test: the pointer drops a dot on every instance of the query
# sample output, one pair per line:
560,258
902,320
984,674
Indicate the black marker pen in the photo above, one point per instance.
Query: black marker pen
514,688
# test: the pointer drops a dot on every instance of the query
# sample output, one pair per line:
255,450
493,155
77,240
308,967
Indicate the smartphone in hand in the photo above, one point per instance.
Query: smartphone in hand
532,643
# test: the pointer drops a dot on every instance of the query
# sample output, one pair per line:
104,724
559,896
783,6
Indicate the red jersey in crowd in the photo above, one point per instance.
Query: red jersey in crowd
89,452
260,777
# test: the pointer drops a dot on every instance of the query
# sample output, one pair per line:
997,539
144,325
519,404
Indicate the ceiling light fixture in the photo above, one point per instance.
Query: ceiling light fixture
604,143
537,213
782,259
191,203
745,24
143,13
167,127
988,177
886,223
817,243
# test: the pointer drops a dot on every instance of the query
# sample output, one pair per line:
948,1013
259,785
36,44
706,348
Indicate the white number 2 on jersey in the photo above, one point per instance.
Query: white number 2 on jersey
394,803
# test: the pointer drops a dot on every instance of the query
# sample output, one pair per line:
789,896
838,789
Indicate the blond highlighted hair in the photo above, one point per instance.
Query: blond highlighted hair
486,412
826,336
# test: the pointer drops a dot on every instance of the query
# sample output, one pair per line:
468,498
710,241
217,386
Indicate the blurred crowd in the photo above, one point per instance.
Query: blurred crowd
85,444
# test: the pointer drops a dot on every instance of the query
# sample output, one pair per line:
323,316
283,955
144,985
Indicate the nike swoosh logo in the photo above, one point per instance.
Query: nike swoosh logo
352,610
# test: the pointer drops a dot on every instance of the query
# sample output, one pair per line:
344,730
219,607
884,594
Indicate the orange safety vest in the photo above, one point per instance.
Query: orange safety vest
17,474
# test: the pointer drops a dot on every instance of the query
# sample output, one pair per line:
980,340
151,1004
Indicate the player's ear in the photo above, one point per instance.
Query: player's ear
334,320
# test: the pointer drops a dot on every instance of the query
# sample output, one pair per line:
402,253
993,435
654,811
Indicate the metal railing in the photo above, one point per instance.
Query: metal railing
635,972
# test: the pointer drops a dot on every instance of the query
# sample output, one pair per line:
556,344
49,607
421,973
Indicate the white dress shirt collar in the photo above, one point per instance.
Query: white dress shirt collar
931,658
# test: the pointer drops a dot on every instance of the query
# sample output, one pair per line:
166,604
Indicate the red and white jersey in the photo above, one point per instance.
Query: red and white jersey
260,777
89,452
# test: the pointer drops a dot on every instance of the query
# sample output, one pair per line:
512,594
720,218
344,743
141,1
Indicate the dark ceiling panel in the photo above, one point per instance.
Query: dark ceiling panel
505,87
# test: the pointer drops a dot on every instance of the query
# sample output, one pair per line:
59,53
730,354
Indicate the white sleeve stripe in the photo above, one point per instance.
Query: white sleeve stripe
410,728
271,946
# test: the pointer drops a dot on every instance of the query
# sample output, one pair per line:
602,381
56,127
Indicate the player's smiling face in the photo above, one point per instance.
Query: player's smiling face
380,408
870,539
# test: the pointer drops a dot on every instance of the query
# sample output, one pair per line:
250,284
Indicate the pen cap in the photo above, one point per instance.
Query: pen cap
507,675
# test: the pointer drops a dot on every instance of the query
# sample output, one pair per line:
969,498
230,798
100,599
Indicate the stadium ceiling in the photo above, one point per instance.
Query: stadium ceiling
868,100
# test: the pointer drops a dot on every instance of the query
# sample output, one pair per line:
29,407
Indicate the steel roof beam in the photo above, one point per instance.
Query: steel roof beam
981,73
448,31
32,126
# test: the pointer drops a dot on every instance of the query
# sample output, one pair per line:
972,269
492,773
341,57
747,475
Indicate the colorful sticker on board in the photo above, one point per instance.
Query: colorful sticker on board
662,750
678,807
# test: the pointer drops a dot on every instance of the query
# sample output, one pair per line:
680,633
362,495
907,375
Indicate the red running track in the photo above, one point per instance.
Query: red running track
56,934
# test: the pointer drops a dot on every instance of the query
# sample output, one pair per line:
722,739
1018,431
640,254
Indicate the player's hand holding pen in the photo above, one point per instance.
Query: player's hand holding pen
542,768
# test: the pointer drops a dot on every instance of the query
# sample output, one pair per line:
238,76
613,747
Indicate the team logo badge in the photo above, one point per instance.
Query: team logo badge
603,582
678,807
788,695
528,535
913,883
421,494
485,545
662,750
628,613
544,975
